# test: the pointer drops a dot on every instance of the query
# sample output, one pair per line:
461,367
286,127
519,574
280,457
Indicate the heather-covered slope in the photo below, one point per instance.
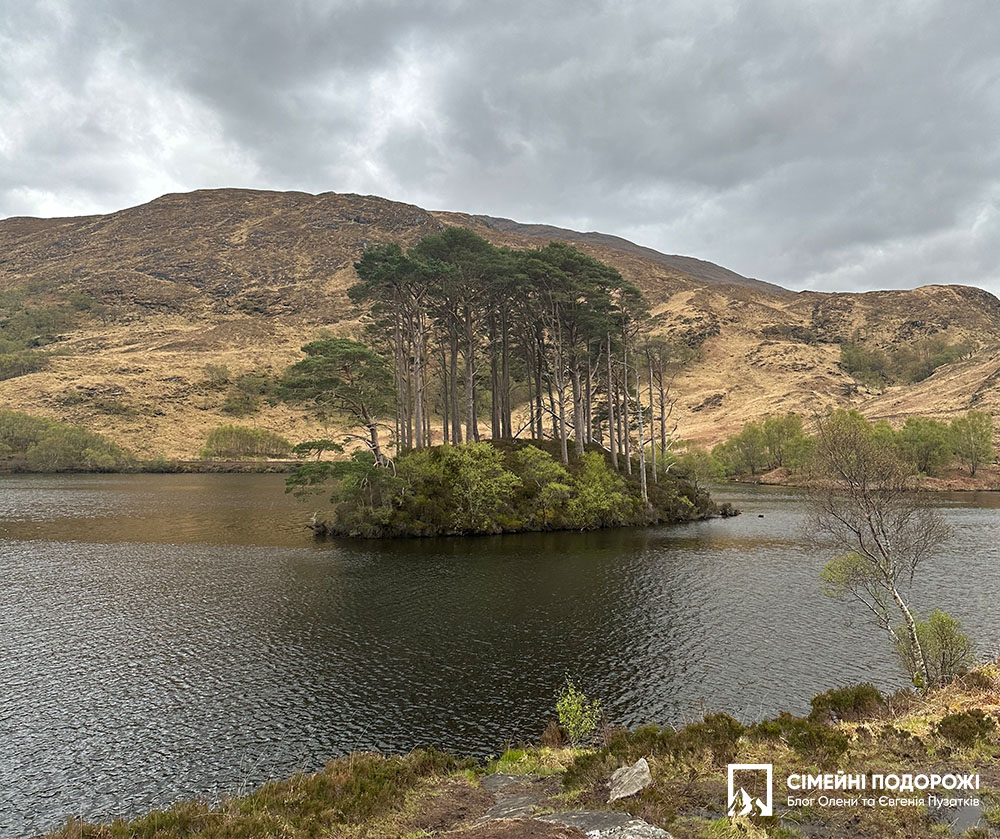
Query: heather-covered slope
241,278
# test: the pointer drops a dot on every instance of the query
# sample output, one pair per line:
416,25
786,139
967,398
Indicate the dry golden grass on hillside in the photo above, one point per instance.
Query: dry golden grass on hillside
242,278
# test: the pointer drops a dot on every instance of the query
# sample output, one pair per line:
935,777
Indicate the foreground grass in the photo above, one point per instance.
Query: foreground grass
363,795
951,730
427,793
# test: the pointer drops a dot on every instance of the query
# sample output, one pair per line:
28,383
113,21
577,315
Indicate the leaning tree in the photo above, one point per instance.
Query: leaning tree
864,507
339,377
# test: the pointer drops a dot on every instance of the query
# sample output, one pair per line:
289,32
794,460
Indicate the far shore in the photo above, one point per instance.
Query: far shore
986,479
18,467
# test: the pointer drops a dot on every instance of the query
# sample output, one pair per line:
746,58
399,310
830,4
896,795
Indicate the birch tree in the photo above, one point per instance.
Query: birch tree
865,510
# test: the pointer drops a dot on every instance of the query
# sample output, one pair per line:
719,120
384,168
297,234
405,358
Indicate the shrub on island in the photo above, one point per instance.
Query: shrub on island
501,486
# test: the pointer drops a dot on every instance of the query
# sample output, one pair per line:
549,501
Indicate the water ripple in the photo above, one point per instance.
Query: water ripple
168,636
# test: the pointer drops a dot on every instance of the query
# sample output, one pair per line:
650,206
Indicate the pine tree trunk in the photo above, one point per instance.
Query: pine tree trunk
627,430
508,426
663,415
552,408
588,400
641,431
418,390
496,424
471,425
445,430
539,350
612,423
531,403
578,428
456,414
652,433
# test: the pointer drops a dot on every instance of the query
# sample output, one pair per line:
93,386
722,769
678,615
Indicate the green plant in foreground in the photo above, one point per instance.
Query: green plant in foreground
850,703
577,714
947,649
965,727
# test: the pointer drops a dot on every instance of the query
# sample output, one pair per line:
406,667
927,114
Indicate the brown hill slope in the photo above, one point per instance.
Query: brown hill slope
242,278
707,272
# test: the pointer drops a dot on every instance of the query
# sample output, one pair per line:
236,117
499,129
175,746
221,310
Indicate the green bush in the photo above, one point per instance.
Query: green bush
578,715
600,497
623,746
695,464
589,768
848,704
978,680
869,366
246,392
26,326
972,439
46,445
717,734
926,443
488,487
762,446
947,650
908,363
238,442
481,485
13,364
812,740
916,361
965,727
342,799
217,375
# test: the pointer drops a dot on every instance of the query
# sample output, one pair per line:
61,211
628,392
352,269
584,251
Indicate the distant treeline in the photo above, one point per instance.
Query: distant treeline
927,444
907,364
28,328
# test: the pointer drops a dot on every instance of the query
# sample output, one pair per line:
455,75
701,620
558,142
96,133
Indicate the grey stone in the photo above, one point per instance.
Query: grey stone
498,781
588,820
629,780
511,807
637,829
606,824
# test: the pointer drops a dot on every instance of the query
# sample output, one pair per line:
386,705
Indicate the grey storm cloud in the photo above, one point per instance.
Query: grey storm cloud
822,144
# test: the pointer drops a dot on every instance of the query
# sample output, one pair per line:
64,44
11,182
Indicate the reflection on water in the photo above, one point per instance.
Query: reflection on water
163,636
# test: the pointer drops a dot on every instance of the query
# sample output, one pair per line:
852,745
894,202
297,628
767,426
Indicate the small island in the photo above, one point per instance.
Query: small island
505,486
582,424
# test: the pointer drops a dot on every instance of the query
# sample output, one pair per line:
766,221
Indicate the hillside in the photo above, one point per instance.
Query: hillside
241,278
707,272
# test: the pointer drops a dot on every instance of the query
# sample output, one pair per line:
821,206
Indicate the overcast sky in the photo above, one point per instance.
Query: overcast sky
828,145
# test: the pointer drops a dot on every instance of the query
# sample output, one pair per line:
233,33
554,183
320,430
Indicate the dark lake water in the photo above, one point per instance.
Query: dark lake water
163,636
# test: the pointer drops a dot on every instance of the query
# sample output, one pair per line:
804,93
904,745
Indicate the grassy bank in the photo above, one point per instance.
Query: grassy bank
427,793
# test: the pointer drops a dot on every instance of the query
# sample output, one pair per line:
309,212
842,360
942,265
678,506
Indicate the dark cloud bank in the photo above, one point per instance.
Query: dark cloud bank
835,145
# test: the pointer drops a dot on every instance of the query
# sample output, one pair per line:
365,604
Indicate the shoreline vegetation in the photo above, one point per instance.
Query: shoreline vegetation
781,450
987,479
568,772
491,487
